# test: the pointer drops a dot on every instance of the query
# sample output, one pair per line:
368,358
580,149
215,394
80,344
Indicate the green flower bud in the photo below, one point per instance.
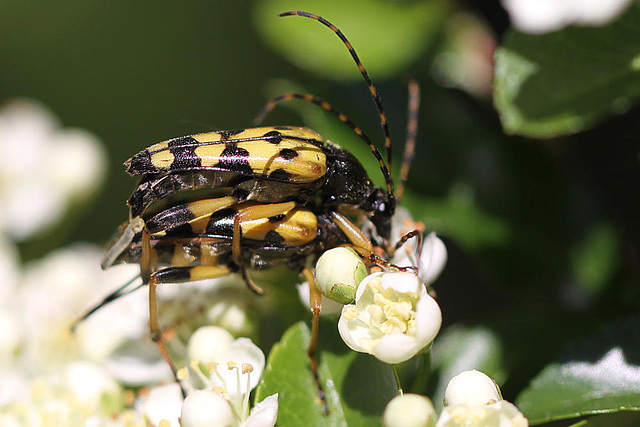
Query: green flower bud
339,271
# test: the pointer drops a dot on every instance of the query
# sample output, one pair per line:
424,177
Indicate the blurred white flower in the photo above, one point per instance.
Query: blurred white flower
393,317
473,399
162,402
409,410
433,258
544,16
466,59
206,408
208,343
223,302
55,291
80,393
43,169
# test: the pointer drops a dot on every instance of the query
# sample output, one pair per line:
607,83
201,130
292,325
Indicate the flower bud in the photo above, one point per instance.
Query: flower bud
339,271
409,410
471,388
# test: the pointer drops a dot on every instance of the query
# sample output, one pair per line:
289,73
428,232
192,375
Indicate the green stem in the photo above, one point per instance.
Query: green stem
422,378
395,373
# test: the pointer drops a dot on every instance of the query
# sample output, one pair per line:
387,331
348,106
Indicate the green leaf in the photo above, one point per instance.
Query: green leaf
567,81
356,385
600,375
387,35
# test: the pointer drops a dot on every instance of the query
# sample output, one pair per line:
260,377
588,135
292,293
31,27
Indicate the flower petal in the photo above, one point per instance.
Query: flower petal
204,408
264,414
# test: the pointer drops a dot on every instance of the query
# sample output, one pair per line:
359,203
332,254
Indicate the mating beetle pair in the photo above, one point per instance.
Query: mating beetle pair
224,202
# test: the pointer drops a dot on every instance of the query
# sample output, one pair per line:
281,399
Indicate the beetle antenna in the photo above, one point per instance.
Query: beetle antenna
271,104
118,293
372,89
412,132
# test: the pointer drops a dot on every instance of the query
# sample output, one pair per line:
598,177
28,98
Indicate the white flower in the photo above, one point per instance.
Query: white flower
409,410
234,370
473,399
433,258
543,16
471,388
392,319
339,271
43,168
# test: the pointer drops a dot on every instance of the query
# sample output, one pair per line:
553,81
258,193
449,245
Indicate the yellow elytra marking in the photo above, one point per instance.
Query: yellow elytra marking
298,227
308,165
162,159
264,158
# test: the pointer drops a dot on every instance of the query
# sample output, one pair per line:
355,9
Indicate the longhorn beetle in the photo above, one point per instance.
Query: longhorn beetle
223,202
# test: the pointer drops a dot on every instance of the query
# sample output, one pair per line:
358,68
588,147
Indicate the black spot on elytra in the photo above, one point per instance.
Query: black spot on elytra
288,153
273,137
184,156
140,164
280,175
221,223
225,134
182,140
170,219
179,232
235,159
273,237
277,218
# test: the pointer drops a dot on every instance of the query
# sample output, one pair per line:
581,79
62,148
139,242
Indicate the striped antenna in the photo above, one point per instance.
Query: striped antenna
367,79
412,132
269,106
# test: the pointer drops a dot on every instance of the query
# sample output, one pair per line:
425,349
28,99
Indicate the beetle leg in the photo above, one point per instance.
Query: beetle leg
315,303
353,233
362,245
248,214
175,275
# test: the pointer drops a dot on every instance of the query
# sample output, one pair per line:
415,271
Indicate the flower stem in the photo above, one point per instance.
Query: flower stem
395,373
422,378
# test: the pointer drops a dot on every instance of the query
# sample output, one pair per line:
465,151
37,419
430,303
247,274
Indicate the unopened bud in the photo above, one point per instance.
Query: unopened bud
339,271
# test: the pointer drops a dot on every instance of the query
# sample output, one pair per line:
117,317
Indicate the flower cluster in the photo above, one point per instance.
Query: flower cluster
218,386
44,168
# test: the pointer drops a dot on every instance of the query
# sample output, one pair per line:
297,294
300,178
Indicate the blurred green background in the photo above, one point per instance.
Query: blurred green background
542,235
